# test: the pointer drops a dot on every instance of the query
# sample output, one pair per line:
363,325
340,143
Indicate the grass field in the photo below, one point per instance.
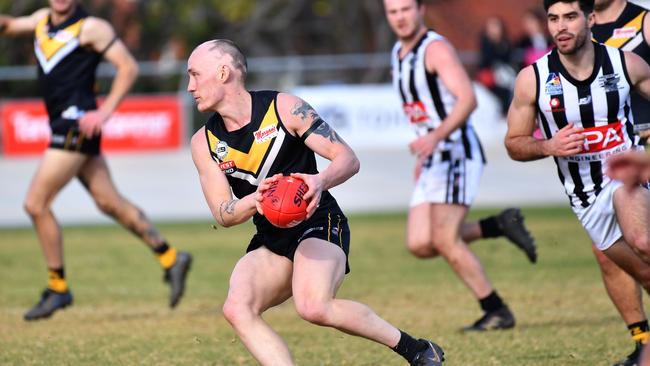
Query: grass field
120,315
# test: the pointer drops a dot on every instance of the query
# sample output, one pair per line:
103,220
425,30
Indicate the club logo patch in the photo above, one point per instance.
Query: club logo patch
265,134
221,150
609,82
553,84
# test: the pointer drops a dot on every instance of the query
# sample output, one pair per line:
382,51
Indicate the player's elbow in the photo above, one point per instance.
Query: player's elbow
132,69
512,150
472,103
355,165
220,220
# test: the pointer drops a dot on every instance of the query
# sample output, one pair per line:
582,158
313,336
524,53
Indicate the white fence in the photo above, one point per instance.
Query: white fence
166,186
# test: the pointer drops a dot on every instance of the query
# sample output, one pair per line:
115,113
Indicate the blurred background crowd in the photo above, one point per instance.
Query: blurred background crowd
297,42
334,53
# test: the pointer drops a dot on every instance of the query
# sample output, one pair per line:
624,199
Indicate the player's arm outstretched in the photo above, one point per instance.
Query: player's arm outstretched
15,26
226,210
303,121
100,35
519,141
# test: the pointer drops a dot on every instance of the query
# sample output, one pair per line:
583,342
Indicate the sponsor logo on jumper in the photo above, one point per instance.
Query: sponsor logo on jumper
265,133
625,32
556,105
605,137
61,35
584,101
553,84
227,167
416,112
601,142
609,82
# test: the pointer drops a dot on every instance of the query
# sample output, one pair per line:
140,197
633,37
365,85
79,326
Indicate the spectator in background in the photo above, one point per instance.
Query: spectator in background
495,69
534,43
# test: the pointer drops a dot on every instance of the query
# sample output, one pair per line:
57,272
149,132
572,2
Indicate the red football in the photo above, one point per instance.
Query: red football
284,204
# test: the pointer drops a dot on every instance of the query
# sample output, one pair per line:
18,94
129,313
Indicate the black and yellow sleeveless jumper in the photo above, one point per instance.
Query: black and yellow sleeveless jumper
626,33
66,75
262,149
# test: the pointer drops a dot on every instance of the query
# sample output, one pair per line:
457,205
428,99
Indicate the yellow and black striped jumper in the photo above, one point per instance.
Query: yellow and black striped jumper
626,33
261,149
66,75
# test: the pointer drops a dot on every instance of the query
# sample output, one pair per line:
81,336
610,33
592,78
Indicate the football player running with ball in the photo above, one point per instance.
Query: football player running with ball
252,138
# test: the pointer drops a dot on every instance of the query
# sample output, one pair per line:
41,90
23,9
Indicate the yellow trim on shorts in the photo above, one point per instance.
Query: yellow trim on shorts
68,137
329,226
338,230
80,141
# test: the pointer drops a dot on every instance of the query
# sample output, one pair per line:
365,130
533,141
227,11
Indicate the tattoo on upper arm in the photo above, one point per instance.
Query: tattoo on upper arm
227,207
305,111
326,131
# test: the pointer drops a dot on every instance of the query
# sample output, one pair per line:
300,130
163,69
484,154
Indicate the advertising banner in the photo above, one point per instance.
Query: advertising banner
141,123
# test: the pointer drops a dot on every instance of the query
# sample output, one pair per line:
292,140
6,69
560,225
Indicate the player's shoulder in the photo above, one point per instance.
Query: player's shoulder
526,82
198,140
40,14
438,47
97,25
289,104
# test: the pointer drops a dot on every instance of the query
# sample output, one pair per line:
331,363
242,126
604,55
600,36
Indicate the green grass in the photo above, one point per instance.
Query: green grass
120,315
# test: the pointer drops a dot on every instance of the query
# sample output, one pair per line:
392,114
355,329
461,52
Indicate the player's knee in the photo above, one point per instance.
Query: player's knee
420,248
236,312
423,251
313,311
642,245
34,208
443,243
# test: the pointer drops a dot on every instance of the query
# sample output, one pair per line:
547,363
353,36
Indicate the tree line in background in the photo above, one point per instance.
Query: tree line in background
169,30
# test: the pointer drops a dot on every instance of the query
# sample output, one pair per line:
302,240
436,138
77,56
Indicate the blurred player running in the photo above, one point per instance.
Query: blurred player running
69,44
438,99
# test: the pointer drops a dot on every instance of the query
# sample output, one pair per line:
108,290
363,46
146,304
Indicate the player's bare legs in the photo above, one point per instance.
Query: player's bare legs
508,223
259,281
319,269
470,231
434,228
96,177
622,289
632,206
625,257
56,169
625,293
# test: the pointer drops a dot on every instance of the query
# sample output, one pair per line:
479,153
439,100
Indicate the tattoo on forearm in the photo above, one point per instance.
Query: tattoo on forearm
326,131
228,207
305,111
